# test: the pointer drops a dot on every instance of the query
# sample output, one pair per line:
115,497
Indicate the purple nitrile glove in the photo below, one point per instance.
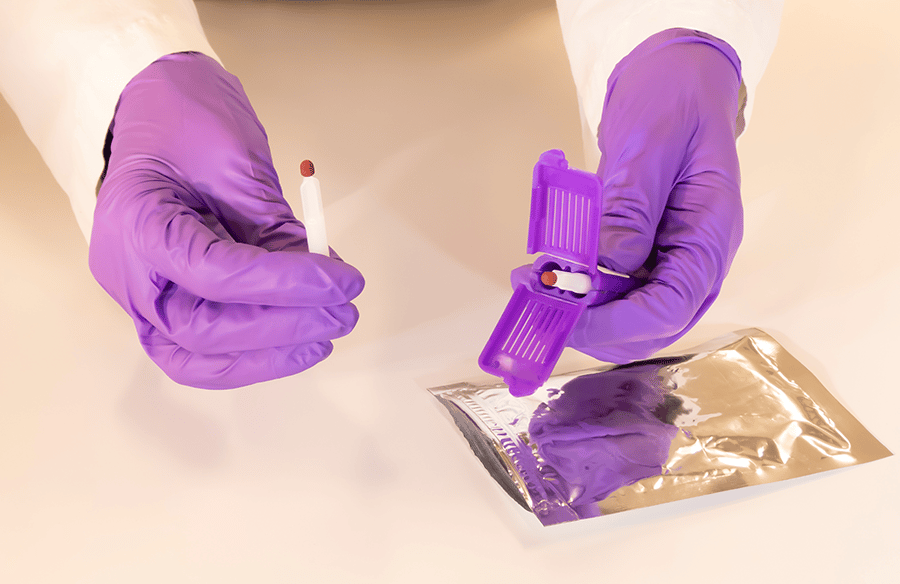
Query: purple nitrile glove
672,210
193,238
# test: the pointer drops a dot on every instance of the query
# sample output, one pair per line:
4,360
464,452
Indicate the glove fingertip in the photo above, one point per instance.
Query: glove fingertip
346,317
520,275
305,356
350,281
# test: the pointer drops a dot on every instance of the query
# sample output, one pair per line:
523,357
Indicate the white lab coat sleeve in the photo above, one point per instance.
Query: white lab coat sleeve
599,33
63,65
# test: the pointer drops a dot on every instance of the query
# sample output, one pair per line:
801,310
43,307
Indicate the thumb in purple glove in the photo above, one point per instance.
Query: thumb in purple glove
193,238
671,191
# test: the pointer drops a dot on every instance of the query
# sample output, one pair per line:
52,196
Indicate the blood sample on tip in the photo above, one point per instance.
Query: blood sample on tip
313,210
570,281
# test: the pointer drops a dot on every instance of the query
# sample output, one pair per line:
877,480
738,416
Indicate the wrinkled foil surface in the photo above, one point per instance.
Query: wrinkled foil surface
735,412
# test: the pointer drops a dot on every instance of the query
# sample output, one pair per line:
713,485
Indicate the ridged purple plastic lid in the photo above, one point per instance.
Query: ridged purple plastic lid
564,226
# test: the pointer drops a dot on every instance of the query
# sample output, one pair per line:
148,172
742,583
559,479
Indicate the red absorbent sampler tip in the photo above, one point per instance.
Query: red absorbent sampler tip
548,278
307,168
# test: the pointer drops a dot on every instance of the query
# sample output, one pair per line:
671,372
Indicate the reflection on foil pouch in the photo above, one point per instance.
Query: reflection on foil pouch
603,431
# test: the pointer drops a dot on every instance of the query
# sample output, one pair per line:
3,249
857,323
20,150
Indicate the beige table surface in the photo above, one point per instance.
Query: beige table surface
424,120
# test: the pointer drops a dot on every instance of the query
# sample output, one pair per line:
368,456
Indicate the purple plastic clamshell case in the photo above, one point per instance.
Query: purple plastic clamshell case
565,227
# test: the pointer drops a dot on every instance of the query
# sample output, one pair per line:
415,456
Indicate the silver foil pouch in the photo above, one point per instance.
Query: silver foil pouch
735,412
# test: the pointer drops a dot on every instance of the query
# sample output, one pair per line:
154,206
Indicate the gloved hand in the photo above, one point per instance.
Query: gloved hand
671,191
193,238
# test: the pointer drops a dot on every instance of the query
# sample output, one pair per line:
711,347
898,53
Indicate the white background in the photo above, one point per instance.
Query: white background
424,120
